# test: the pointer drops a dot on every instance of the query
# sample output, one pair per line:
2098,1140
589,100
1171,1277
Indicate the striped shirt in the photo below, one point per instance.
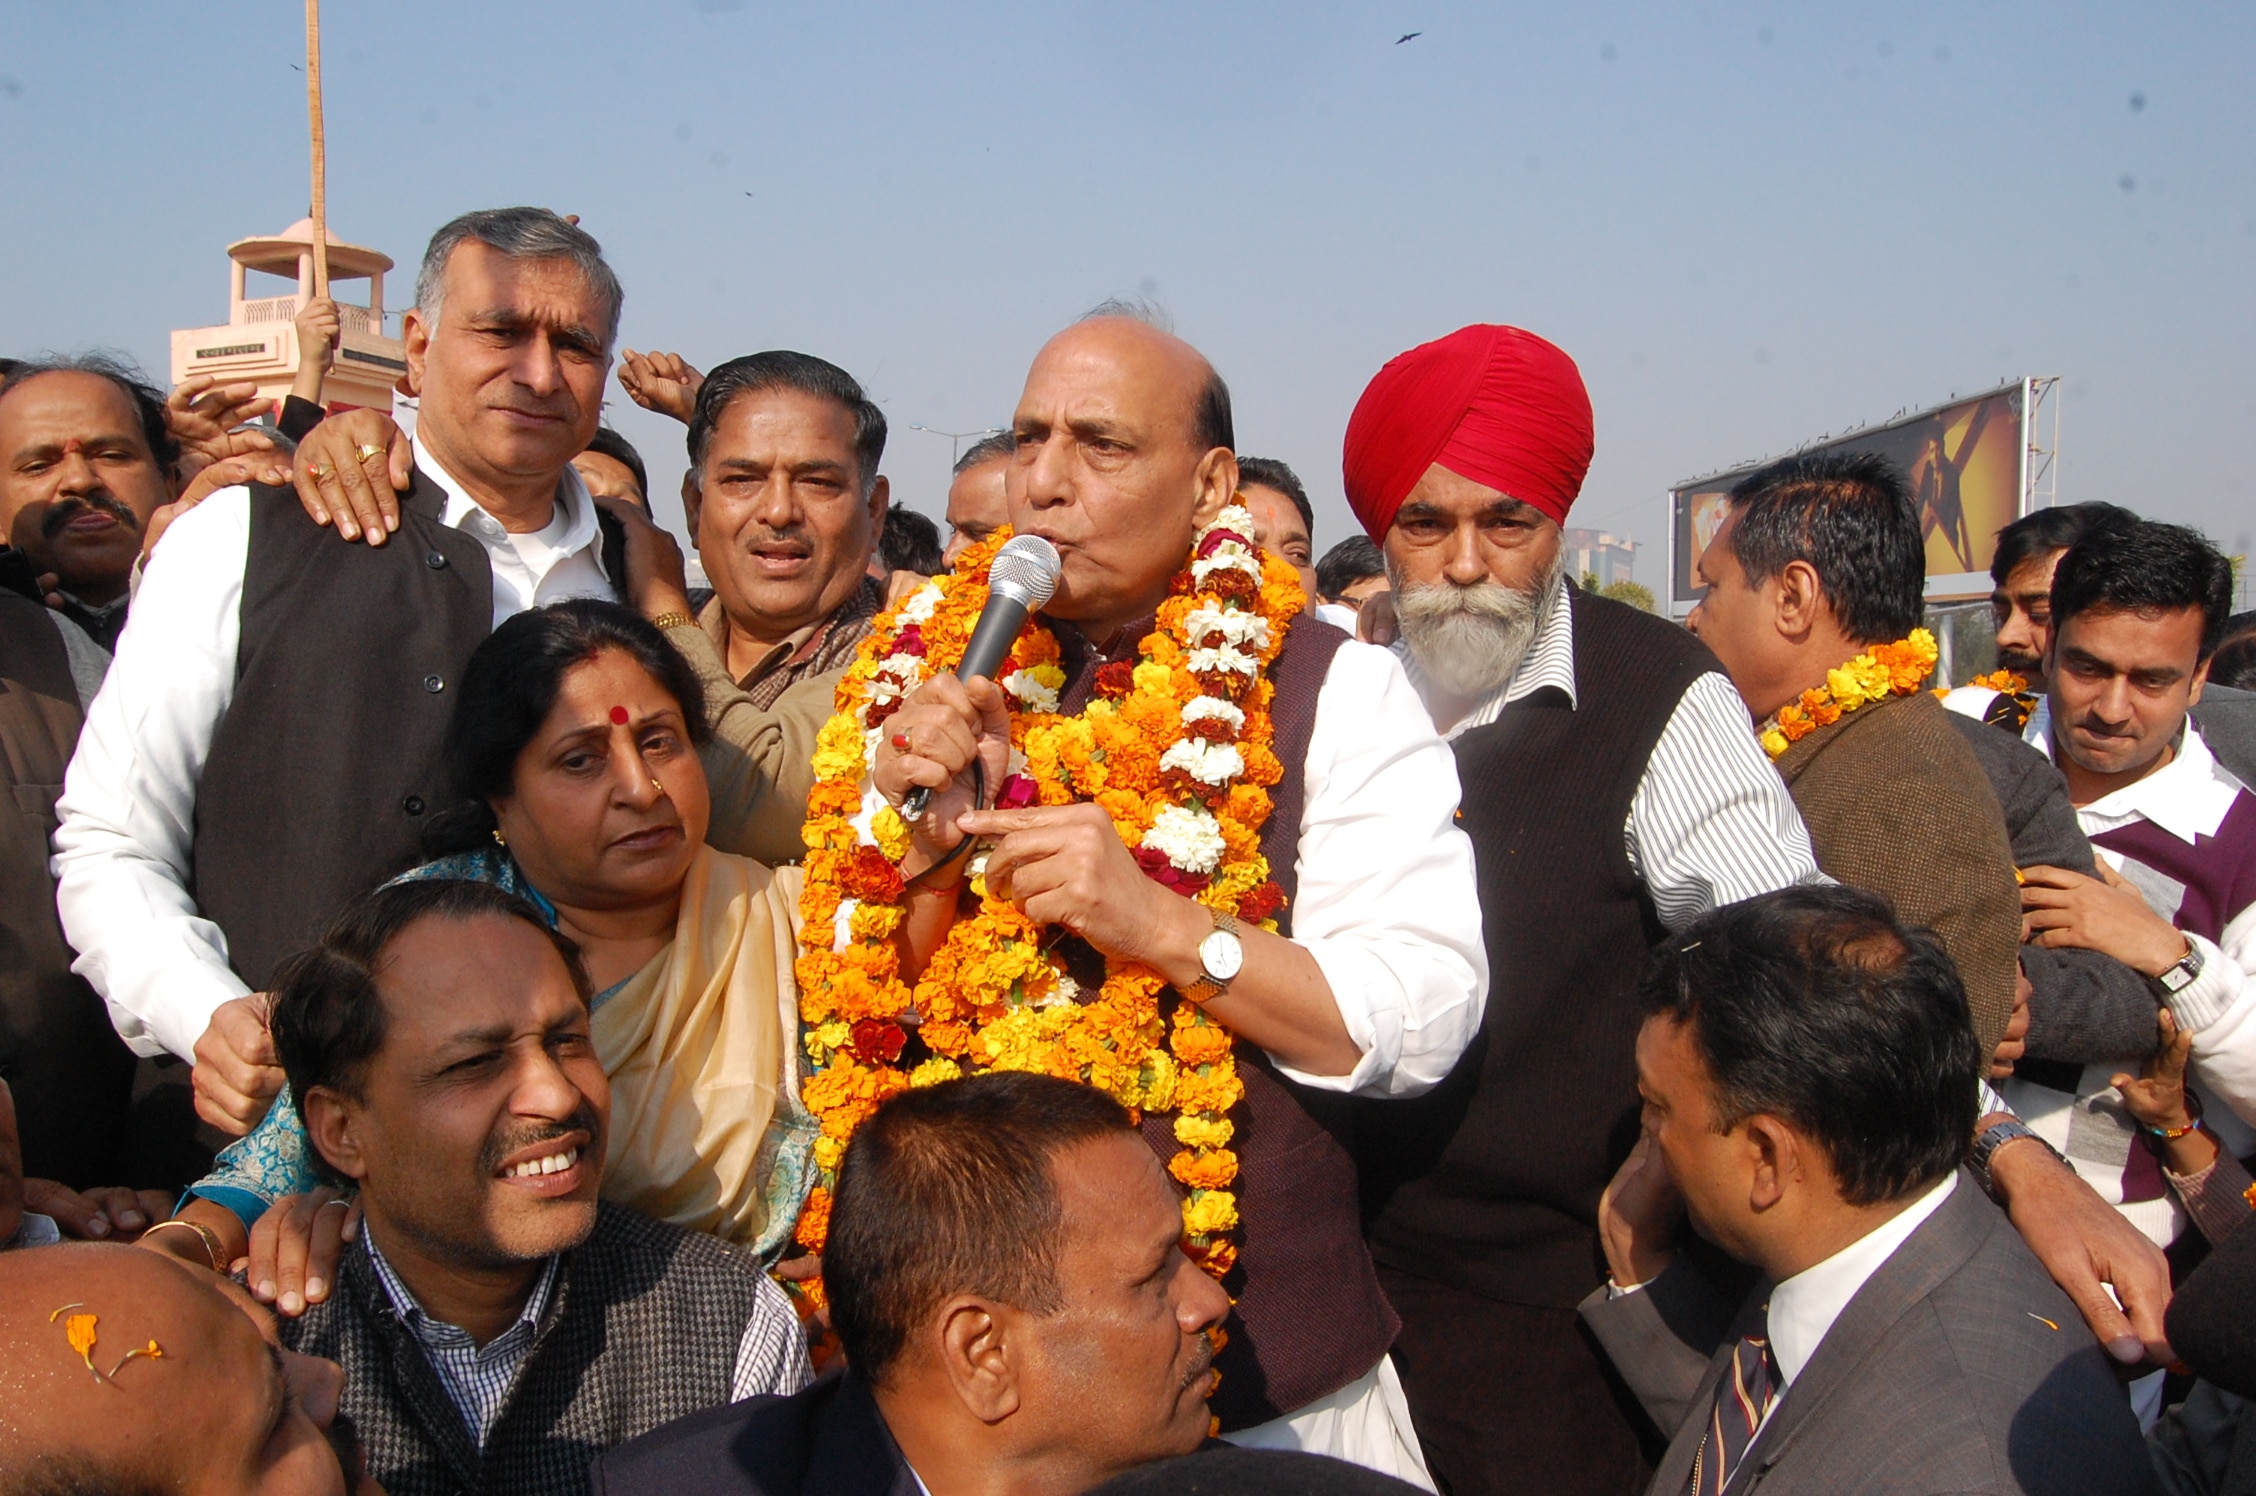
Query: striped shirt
1711,822
770,1358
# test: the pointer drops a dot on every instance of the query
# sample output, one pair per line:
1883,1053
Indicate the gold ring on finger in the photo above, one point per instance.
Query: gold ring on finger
319,471
367,450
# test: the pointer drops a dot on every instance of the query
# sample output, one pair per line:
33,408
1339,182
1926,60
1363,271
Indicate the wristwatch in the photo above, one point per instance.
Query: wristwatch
1988,1141
2179,976
1221,954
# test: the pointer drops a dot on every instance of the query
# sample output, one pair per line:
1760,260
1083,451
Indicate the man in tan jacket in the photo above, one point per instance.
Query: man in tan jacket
1818,561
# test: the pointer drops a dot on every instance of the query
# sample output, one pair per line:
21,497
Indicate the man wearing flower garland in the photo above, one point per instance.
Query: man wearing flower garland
1296,921
1819,562
1613,794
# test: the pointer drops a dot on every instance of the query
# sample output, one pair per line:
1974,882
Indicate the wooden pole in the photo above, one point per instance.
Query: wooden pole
320,151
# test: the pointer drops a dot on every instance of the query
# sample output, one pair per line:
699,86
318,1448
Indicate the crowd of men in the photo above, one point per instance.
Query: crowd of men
1685,1058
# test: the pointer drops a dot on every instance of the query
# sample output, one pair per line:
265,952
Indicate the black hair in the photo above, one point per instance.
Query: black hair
1816,1006
2234,663
1850,516
147,400
781,369
948,1189
328,1020
510,686
1268,472
1003,444
2056,529
2146,567
1355,559
79,1475
910,542
609,443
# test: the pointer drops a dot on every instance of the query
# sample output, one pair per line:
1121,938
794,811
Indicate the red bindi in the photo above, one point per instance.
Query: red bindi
619,715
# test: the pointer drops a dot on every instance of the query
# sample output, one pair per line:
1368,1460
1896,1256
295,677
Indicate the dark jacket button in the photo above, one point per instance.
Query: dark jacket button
434,684
413,805
434,560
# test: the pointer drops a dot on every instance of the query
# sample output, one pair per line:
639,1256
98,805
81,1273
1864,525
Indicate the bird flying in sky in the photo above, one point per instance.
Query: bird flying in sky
1408,36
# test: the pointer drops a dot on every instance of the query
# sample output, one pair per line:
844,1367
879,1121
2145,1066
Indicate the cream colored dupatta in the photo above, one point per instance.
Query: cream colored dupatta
702,1048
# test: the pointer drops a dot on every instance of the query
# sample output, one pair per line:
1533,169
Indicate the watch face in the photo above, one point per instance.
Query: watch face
1221,954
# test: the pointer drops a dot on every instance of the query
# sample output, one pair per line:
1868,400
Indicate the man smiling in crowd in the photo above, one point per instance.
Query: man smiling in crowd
498,1325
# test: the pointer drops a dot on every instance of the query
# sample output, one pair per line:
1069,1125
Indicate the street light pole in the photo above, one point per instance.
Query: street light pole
956,439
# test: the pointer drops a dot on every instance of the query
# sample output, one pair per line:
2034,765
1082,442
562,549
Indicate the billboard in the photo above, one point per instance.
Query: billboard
1965,463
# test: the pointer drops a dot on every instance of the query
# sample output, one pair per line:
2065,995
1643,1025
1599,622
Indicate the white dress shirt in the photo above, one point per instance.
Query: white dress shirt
128,810
1387,903
1804,1307
1711,822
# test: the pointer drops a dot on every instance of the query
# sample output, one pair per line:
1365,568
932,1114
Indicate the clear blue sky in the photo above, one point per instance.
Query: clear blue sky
1750,224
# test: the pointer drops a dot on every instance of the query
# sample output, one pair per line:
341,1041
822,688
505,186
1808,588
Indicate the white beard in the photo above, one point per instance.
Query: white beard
1469,640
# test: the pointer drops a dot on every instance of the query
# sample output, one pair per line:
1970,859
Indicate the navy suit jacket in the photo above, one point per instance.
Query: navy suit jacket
829,1440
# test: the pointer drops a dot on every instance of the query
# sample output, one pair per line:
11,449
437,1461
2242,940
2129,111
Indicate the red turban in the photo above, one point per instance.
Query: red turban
1497,405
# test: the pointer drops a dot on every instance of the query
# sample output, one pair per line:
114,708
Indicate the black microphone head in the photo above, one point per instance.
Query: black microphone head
1025,570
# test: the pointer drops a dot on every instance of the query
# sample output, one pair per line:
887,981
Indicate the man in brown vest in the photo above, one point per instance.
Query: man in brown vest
1818,563
1373,983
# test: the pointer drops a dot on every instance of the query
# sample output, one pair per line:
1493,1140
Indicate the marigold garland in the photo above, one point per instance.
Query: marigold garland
1884,670
2015,701
1175,746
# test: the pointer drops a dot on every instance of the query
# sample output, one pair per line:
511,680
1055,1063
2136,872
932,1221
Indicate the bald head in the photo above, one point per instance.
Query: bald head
222,1409
1124,336
1123,451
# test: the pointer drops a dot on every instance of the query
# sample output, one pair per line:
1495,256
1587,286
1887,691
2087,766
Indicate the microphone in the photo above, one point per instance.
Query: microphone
1024,574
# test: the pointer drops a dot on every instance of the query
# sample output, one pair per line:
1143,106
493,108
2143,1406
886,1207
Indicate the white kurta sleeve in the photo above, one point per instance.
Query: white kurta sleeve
1386,900
128,810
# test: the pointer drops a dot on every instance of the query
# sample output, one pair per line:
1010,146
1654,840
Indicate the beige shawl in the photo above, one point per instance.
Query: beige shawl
702,1045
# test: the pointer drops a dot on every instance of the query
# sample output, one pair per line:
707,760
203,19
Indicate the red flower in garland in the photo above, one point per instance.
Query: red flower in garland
1260,902
877,1042
1116,679
870,877
1166,874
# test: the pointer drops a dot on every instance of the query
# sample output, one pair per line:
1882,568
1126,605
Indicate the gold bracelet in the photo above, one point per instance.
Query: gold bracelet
674,620
214,1248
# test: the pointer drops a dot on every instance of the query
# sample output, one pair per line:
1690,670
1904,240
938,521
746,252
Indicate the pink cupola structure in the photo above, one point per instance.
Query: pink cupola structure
259,341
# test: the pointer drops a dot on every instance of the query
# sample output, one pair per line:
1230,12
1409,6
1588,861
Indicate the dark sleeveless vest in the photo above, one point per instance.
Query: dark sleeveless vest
1310,1316
1490,1182
70,1073
326,764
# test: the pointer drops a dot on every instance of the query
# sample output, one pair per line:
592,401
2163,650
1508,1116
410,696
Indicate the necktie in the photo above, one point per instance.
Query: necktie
1742,1398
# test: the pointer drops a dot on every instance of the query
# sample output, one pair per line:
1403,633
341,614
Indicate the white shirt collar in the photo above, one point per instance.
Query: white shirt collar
465,513
2187,797
1804,1307
1549,661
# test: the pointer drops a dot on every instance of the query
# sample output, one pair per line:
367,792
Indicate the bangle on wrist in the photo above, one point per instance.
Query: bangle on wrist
214,1248
2172,1134
673,619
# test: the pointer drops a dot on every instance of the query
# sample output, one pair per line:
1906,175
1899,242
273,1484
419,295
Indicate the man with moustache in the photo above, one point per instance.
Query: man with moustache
83,457
499,1326
1613,793
258,756
87,456
1372,983
784,502
1006,1275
